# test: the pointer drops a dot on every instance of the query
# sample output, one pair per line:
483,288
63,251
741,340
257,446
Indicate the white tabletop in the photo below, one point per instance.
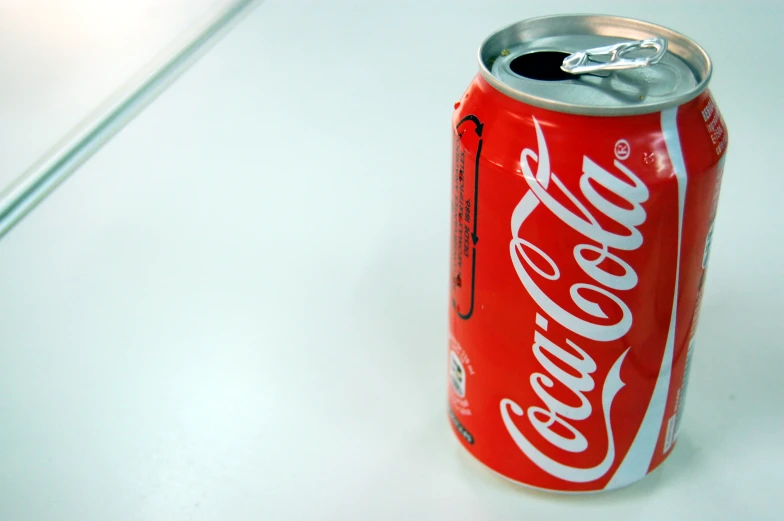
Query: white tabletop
60,59
237,309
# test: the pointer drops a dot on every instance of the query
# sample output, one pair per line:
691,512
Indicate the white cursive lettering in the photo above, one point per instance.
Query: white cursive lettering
594,301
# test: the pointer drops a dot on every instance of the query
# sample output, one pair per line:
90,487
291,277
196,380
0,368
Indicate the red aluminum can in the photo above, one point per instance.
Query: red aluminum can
588,156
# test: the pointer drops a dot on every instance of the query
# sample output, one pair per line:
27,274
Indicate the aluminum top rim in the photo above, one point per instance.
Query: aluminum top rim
679,45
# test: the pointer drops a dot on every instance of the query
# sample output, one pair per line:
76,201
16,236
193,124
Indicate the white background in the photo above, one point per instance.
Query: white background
237,309
60,58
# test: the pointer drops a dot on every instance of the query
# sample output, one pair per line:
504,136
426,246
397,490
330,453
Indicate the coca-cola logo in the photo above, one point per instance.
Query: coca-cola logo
607,275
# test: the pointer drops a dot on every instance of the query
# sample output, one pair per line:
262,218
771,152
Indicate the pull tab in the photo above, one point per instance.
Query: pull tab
586,62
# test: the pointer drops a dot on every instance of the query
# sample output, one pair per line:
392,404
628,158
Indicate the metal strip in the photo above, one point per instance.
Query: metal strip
40,180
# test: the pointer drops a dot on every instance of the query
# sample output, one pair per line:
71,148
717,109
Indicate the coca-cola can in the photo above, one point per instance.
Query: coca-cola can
588,155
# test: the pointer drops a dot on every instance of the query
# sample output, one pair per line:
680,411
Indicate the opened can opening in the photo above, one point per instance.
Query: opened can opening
541,65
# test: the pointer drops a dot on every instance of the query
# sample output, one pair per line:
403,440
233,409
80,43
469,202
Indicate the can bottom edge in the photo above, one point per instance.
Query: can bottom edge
532,488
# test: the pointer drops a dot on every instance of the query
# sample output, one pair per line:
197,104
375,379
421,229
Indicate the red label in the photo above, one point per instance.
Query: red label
572,315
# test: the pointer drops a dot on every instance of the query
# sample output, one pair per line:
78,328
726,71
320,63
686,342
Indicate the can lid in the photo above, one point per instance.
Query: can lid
594,64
